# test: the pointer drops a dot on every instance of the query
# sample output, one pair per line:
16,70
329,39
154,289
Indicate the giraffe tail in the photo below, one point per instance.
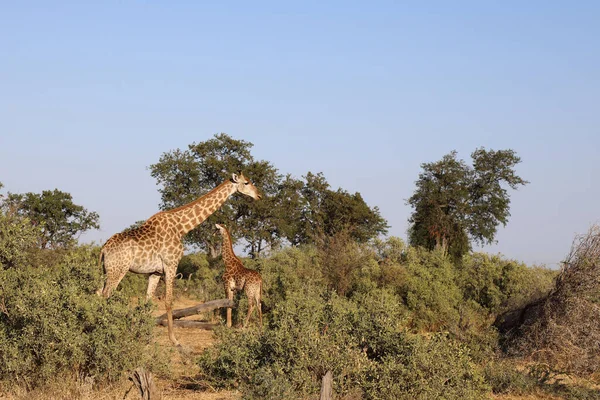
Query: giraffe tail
101,263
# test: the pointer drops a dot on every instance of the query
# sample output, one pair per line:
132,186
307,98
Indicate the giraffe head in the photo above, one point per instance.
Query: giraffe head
244,186
222,230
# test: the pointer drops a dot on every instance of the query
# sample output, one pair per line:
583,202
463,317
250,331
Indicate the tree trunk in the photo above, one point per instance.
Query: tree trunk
144,381
197,309
191,324
213,250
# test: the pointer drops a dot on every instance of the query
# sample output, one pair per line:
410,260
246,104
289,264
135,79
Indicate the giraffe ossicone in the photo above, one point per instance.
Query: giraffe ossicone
155,247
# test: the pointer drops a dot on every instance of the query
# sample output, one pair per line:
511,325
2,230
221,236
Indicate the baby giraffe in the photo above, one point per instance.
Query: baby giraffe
238,277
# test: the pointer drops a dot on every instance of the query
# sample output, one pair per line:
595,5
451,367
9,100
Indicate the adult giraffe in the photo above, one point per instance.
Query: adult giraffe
155,247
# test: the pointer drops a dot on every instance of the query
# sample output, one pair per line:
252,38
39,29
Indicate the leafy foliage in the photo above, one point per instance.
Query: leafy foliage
311,332
17,239
290,210
188,174
53,323
60,220
455,204
430,290
497,284
326,213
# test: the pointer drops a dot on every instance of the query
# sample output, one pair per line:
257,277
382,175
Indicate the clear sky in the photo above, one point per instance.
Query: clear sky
92,93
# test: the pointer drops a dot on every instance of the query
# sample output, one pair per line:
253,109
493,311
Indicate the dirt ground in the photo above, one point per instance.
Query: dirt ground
184,386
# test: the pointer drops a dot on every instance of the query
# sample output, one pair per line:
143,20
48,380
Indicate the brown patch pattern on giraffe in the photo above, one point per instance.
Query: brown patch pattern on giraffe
237,277
155,248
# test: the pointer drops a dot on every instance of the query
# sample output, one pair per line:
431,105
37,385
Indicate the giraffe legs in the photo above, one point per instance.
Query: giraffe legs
169,278
152,284
250,309
229,293
112,281
255,299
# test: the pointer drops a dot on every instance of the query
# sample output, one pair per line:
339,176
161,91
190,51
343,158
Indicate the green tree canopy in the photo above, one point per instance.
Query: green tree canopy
290,210
456,204
60,220
328,212
188,174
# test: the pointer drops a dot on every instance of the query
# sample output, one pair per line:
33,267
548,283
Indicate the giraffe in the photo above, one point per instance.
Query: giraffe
155,247
238,277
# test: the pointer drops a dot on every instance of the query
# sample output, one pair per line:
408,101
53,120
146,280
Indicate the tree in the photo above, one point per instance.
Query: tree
290,210
456,204
60,220
135,225
328,212
188,174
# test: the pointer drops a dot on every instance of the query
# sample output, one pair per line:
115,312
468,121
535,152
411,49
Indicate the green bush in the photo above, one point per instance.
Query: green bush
379,323
361,340
53,323
503,377
307,335
430,291
292,269
133,285
498,284
426,368
18,237
341,260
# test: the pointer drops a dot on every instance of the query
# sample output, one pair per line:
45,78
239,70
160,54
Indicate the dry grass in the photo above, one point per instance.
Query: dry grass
536,396
563,330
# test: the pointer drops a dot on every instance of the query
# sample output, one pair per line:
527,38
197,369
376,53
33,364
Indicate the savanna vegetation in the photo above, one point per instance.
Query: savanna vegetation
424,319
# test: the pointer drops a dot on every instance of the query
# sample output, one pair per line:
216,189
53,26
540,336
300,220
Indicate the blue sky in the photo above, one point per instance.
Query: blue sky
92,93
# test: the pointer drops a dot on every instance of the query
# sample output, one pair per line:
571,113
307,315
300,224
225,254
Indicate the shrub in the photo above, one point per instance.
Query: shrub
390,251
308,334
18,237
290,270
53,323
341,259
503,377
201,278
426,368
360,340
379,323
498,284
430,291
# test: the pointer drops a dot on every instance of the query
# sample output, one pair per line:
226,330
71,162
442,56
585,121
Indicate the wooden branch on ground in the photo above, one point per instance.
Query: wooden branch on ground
327,386
197,309
209,326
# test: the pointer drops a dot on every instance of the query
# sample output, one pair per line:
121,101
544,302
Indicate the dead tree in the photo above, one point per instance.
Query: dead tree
191,324
144,381
327,386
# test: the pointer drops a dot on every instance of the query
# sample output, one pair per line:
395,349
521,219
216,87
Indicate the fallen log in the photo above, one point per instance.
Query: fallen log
197,309
191,324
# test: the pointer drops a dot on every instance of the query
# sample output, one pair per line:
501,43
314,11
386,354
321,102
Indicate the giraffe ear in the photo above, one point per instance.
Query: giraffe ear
234,178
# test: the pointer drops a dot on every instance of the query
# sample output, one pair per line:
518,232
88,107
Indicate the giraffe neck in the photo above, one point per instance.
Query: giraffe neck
229,258
193,214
